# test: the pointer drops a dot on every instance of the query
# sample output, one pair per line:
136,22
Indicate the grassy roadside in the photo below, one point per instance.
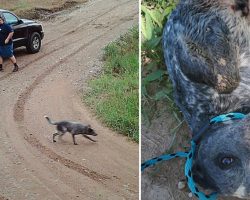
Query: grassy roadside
156,88
114,94
36,9
156,85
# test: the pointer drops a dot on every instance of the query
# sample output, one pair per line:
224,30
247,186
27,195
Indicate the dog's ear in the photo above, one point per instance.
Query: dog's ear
90,129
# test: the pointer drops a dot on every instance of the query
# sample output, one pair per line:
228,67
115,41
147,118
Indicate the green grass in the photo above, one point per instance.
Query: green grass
156,85
156,88
114,94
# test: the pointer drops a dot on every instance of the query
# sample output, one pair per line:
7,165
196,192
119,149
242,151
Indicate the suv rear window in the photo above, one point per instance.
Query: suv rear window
10,18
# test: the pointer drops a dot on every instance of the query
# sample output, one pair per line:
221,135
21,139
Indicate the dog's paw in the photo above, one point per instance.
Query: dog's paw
54,141
75,144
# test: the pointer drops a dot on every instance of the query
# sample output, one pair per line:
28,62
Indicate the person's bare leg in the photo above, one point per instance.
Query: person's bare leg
1,63
13,60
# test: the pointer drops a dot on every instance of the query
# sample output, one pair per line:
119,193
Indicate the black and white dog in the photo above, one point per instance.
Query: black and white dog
207,53
75,128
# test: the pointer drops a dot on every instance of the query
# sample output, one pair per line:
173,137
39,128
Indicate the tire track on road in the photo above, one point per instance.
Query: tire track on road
89,22
33,141
19,116
66,162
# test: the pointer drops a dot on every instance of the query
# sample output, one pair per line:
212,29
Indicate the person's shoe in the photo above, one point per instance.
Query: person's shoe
15,68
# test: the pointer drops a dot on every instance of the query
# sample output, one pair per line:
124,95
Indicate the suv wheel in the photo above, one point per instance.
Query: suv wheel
34,43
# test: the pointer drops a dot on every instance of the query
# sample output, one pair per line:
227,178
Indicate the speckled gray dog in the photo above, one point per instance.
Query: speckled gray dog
75,128
207,52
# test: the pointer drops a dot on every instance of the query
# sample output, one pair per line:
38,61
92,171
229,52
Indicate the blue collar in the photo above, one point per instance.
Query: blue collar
189,158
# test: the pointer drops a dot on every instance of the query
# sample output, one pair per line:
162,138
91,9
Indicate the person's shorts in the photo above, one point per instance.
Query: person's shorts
6,51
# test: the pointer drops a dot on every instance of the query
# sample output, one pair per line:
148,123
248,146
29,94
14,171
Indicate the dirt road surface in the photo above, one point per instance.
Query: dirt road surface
48,83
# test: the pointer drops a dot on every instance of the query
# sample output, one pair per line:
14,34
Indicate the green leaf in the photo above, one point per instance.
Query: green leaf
151,65
160,95
157,17
144,9
147,23
156,75
153,42
147,27
169,9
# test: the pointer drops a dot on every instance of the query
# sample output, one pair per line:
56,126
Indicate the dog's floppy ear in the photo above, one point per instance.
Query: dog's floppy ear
88,126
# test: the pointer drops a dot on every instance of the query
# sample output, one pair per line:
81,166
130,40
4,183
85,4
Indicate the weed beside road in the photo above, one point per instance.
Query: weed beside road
114,95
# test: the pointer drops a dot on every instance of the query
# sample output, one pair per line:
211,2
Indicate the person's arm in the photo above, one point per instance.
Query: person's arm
9,37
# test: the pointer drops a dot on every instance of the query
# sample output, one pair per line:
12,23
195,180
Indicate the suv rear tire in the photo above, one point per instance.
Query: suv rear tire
34,43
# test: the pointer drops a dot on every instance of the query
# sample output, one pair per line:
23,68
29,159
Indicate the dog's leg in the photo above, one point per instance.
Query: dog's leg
89,138
73,137
60,134
54,135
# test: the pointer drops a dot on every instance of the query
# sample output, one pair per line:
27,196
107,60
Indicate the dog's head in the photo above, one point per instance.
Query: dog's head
90,131
222,160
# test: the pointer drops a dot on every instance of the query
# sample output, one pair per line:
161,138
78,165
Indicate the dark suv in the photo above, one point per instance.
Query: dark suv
27,33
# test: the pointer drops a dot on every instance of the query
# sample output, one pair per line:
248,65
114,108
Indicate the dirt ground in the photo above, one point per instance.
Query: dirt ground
49,83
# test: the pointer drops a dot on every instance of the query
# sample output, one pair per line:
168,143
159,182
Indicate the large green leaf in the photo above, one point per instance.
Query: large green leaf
162,94
153,42
157,17
148,22
169,9
156,75
147,27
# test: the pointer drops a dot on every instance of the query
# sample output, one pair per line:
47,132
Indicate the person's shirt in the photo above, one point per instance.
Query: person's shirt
5,30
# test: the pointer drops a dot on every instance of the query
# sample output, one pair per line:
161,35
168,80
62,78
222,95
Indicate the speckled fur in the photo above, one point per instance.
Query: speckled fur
74,128
207,52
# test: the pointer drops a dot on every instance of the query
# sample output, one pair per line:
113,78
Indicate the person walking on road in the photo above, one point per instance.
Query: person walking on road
6,44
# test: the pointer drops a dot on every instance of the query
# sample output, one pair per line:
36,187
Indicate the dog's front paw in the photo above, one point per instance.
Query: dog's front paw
75,144
54,141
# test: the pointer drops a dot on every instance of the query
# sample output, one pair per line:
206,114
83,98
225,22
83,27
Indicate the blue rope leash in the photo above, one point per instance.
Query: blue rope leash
189,159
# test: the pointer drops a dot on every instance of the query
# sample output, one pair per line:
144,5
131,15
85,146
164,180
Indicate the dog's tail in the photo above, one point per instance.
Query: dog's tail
51,122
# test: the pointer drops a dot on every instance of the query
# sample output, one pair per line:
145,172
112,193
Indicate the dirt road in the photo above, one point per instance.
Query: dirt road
32,167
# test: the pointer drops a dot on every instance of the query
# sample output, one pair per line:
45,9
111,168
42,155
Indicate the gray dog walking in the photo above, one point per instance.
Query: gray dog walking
75,128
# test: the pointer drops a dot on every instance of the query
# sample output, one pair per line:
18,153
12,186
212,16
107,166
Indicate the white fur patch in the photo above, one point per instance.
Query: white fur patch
244,60
240,192
168,28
